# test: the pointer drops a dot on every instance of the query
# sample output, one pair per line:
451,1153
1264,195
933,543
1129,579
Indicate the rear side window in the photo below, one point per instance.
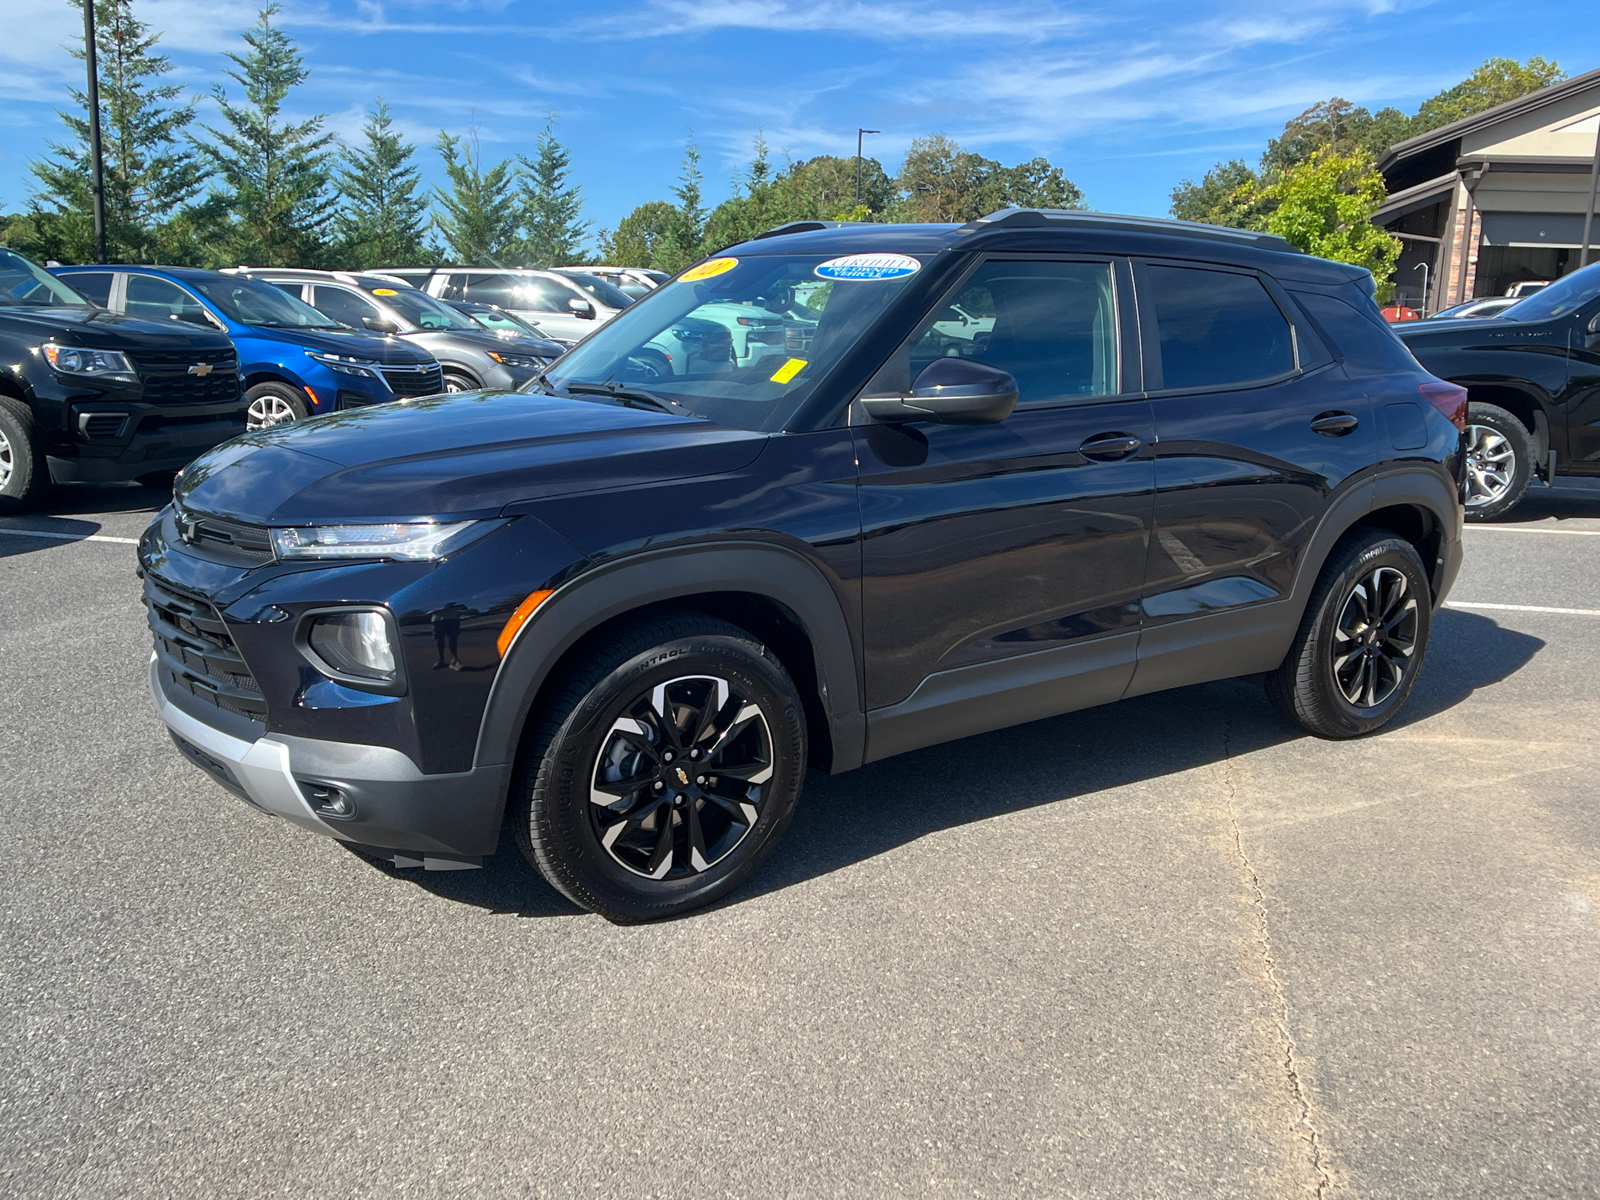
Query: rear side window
1366,342
95,285
1217,328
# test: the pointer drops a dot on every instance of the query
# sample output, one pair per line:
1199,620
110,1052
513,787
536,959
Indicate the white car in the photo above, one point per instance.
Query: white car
631,281
559,306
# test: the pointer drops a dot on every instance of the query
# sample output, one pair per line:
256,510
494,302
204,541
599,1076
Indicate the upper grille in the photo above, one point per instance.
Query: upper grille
168,380
230,540
414,381
195,652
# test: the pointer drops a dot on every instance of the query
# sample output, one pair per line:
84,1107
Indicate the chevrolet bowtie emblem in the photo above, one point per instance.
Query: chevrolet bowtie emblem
683,776
200,369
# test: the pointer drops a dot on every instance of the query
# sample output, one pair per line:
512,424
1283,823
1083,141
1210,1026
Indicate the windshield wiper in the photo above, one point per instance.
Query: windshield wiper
632,397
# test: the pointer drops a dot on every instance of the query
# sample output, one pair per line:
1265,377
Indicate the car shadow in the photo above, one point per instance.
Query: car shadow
842,820
1557,503
62,512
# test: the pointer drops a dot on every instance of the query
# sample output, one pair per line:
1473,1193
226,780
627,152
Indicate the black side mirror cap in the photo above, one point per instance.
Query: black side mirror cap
380,325
951,391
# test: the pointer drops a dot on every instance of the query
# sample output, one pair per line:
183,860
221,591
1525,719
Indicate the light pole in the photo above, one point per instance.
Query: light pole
860,133
1425,272
94,132
1594,193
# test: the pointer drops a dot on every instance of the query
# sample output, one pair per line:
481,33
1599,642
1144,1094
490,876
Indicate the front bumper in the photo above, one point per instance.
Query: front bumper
441,822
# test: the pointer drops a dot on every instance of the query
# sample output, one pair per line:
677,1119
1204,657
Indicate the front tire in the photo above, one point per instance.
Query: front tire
454,381
663,771
1361,642
275,404
24,474
1499,452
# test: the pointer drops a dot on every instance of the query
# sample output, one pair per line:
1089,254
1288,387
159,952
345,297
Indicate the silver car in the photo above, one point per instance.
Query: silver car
472,357
558,304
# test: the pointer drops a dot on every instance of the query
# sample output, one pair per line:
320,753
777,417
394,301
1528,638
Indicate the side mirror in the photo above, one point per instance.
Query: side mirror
581,308
1594,324
951,391
380,325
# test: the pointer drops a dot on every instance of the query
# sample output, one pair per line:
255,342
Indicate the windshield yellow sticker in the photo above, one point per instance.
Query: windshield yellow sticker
789,370
708,270
384,292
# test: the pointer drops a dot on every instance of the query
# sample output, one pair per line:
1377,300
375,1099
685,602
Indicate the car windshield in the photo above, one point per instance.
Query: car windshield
741,341
422,310
606,293
22,283
1565,295
250,302
503,322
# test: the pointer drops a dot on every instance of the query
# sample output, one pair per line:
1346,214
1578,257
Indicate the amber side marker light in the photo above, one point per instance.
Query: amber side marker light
525,610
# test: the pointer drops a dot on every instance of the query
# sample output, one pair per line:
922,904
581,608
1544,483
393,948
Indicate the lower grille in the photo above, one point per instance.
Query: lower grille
425,381
195,651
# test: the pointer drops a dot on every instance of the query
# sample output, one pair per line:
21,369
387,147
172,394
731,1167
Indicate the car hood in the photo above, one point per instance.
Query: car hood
394,351
101,329
486,341
464,455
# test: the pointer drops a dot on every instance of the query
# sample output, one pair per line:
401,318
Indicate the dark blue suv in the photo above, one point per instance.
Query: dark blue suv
986,474
295,361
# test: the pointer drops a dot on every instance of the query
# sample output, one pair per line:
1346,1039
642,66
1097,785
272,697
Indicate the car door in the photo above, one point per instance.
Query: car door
1581,403
345,305
1257,429
155,299
1002,563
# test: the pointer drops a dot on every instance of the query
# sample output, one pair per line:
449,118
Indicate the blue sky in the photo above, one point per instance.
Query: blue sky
1128,97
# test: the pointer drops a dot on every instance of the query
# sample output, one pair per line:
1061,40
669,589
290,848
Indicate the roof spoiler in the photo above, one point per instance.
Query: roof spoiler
1036,218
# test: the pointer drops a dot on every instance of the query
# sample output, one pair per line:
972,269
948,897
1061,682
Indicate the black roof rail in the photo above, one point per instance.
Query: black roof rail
1026,218
805,227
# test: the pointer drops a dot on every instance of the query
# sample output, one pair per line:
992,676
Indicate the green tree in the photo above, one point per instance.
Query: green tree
1495,82
551,205
381,219
478,215
1230,194
641,238
1038,183
151,178
275,173
688,227
939,181
1325,207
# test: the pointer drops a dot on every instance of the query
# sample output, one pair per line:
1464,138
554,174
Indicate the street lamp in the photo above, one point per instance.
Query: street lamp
860,133
94,132
1425,272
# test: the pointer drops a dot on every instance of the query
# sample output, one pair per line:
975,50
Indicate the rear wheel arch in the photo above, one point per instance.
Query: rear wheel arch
1526,405
776,595
1418,505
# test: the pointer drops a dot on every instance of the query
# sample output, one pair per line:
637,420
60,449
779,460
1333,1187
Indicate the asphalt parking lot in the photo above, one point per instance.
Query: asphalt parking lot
1164,948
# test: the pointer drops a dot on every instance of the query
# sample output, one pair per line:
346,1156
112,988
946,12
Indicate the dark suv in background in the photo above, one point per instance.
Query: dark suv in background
88,395
471,357
1030,464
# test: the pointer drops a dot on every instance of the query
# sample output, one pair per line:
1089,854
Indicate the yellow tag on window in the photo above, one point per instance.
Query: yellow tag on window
707,270
789,370
384,292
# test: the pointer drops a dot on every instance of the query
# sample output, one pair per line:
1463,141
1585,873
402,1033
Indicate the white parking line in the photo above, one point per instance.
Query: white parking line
1514,529
1538,608
68,537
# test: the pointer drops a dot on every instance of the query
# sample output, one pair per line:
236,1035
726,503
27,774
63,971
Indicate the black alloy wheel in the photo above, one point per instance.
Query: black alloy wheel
1362,640
663,771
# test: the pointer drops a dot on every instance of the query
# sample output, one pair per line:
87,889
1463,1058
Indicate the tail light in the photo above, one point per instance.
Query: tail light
1448,398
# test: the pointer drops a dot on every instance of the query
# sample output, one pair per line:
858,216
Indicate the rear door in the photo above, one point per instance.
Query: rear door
1257,428
1002,564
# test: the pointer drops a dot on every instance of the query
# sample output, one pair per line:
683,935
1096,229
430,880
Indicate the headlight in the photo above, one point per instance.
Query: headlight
527,362
345,364
355,643
413,542
100,364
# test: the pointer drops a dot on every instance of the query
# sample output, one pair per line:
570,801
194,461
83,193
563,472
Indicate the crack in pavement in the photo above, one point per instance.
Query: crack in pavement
1270,964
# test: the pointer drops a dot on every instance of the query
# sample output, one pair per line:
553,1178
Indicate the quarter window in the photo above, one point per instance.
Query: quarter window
1051,324
1217,328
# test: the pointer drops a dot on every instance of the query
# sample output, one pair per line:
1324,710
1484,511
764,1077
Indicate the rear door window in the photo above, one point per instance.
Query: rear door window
93,285
1214,328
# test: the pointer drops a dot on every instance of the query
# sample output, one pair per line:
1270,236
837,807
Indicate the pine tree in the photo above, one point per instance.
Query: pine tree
151,179
478,217
689,220
381,221
550,205
274,172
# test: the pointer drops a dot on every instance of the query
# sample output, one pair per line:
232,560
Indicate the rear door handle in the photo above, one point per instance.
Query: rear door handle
1108,447
1335,424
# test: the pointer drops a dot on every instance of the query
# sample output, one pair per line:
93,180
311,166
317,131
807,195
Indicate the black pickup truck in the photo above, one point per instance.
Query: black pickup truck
91,396
1532,376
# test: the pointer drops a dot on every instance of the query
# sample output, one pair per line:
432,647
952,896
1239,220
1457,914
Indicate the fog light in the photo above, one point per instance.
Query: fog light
357,644
328,801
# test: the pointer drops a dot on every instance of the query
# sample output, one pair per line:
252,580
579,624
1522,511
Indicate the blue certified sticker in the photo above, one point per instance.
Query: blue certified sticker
868,267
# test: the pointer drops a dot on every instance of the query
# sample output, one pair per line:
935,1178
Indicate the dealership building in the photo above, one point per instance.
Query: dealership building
1495,198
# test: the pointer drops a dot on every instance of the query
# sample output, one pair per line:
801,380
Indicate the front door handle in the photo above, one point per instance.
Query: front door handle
1335,424
1108,447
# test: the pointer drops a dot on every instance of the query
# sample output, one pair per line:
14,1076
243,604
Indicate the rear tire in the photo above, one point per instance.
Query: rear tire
275,404
24,474
1361,642
1500,464
662,771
